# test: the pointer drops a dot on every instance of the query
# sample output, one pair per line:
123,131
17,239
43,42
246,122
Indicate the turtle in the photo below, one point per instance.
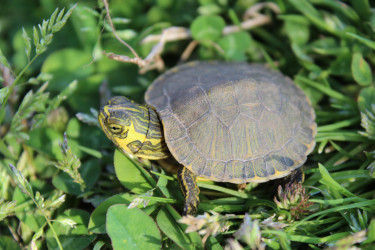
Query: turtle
230,122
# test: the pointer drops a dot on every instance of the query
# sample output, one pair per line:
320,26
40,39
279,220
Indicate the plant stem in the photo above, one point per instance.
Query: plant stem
14,83
49,224
54,233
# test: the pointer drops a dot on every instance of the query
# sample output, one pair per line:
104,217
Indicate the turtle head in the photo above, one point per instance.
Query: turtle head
133,128
115,119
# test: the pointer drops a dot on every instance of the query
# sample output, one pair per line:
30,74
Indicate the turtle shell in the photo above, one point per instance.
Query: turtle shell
233,122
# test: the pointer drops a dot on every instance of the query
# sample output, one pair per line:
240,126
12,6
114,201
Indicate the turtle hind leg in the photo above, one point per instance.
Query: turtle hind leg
190,190
297,176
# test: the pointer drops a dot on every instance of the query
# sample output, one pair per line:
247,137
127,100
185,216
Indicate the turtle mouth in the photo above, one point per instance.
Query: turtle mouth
102,118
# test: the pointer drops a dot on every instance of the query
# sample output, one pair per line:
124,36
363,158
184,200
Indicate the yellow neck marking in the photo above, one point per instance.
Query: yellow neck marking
132,136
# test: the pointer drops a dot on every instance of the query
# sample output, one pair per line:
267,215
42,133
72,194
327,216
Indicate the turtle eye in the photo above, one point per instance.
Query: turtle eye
115,129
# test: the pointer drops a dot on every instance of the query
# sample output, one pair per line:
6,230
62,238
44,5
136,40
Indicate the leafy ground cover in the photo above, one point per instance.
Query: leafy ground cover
63,186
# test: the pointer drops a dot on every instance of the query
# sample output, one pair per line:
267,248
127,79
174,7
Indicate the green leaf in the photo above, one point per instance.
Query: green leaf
339,7
335,188
31,103
27,42
297,28
3,59
173,230
367,203
341,66
371,233
80,217
36,40
369,43
54,116
3,93
325,89
61,14
71,238
207,28
90,119
52,19
372,21
209,9
90,151
363,8
27,214
315,16
316,240
7,242
89,171
234,45
63,95
23,184
98,216
131,229
366,105
60,21
130,175
213,244
43,28
68,13
366,99
84,20
338,125
39,233
234,18
361,70
194,236
67,66
46,140
328,46
48,39
6,208
70,163
99,245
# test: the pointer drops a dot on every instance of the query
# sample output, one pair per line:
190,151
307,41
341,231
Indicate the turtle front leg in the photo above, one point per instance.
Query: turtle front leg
190,190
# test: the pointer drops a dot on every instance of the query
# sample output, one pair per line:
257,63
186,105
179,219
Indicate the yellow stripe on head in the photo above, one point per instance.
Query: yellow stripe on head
127,125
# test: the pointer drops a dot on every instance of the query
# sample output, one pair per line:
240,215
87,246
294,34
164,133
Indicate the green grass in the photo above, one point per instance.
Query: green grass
63,185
